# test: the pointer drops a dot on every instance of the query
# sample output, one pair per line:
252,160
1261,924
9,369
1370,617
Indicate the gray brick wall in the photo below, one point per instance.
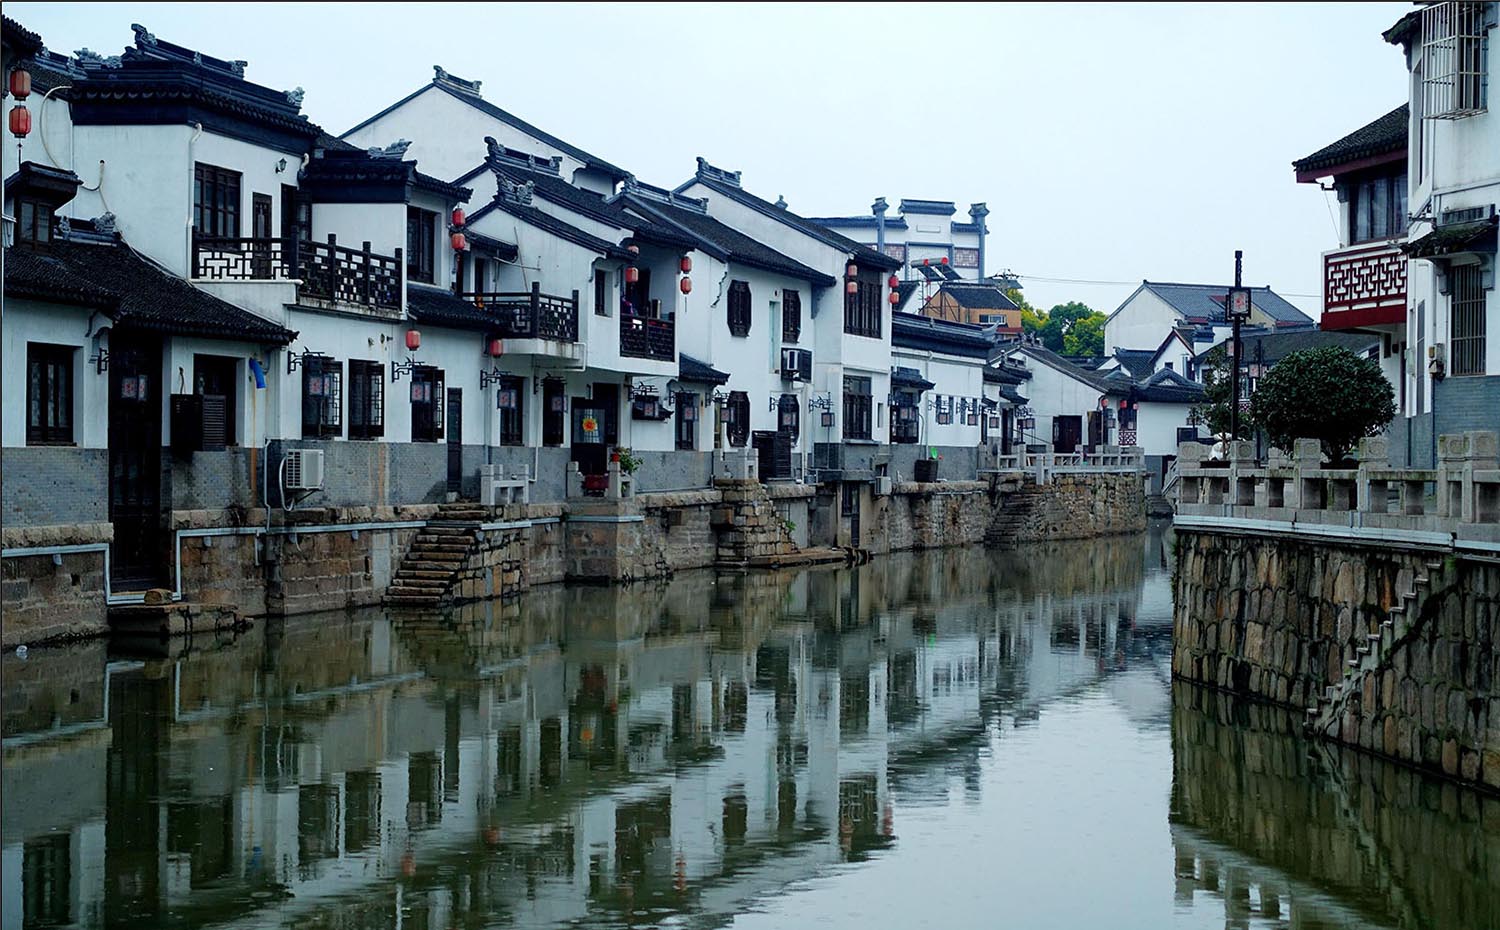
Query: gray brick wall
211,480
960,463
46,485
673,471
1463,404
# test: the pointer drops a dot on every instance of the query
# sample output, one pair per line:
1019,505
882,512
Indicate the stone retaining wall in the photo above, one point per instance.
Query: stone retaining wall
1279,619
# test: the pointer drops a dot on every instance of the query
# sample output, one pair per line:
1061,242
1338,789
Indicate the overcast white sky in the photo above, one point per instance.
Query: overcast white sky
1112,142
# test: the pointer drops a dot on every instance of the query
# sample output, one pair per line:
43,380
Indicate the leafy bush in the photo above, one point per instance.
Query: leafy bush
1328,394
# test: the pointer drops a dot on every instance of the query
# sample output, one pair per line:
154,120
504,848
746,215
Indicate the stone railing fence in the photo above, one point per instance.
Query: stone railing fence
1043,465
1457,503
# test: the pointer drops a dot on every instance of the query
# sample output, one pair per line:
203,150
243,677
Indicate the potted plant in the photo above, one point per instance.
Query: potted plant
628,462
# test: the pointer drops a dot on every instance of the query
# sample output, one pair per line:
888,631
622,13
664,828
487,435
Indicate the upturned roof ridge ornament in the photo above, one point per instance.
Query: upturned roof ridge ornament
515,192
143,38
91,59
105,224
294,96
395,150
443,77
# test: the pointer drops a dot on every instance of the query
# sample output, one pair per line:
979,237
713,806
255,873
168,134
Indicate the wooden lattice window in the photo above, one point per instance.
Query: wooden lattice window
789,416
510,400
791,316
366,399
687,420
862,310
858,408
421,244
322,397
739,308
426,404
49,394
216,202
737,417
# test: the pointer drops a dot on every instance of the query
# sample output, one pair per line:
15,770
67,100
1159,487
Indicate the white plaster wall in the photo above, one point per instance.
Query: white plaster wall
52,119
1156,426
383,224
30,321
447,134
1054,394
952,376
253,408
1141,322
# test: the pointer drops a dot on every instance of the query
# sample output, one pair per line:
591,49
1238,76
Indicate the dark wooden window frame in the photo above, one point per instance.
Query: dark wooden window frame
859,406
421,244
789,416
219,374
512,390
428,400
601,292
216,201
49,394
791,316
863,313
740,313
554,421
686,424
322,398
33,221
737,415
366,399
1364,195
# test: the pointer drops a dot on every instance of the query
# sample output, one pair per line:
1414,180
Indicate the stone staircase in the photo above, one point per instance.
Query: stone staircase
426,575
1325,715
1015,511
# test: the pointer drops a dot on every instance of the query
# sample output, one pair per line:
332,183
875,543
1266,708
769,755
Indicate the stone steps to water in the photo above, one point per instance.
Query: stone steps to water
1371,656
431,566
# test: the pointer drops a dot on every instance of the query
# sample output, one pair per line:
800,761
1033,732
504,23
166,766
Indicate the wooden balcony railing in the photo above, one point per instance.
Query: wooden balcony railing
530,314
1364,286
644,337
326,270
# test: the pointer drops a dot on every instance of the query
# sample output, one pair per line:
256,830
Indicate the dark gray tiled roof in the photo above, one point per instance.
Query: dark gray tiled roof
1168,387
821,233
1136,362
911,331
437,306
1383,136
728,241
690,369
549,223
909,378
108,275
1052,360
19,38
1204,303
978,296
1273,347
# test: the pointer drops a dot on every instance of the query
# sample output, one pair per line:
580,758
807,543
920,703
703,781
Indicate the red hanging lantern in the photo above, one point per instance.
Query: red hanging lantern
926,262
686,264
685,285
497,348
851,288
460,244
944,259
458,216
20,83
852,270
893,282
20,122
413,339
895,298
632,274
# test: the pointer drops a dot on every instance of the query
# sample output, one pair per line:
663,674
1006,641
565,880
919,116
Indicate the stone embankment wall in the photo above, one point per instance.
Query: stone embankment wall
1405,849
310,561
1281,619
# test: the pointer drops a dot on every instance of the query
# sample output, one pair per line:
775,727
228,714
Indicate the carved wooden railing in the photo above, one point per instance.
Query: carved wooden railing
325,270
1367,281
530,314
644,337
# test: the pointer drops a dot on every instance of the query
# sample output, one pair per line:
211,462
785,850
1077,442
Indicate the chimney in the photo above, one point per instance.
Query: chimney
878,208
977,213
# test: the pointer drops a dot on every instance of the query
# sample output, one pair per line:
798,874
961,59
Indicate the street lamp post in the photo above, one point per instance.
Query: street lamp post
1237,308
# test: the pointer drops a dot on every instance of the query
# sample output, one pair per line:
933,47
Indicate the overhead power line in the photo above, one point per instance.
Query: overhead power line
1046,279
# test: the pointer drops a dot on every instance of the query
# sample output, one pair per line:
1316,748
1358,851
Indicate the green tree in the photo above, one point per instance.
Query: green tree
1032,319
1061,320
1328,394
1214,411
1086,337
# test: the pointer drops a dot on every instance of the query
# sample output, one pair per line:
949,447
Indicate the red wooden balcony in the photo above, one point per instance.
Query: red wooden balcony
1364,285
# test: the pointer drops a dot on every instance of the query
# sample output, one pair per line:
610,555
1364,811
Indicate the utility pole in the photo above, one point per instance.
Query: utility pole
1237,308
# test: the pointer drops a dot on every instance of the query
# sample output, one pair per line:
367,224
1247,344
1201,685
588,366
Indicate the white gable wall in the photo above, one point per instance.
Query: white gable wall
1141,322
1053,394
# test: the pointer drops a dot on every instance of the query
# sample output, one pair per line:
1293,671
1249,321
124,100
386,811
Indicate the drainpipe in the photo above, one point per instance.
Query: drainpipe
192,141
977,213
878,208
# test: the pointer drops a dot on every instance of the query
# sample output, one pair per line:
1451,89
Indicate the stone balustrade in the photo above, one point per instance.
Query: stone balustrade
1043,465
1457,503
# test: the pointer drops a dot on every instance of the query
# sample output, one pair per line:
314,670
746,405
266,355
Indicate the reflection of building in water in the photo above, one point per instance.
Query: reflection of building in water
581,753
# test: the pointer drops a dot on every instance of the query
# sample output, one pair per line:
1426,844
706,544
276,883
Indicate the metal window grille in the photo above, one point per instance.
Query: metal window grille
322,398
1466,331
366,399
1453,59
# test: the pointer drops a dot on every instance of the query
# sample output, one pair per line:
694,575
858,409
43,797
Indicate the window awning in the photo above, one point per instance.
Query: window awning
1462,239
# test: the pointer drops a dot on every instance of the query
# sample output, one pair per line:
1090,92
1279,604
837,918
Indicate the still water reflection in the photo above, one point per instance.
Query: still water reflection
941,739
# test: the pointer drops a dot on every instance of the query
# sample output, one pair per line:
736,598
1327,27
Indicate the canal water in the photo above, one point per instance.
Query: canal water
946,739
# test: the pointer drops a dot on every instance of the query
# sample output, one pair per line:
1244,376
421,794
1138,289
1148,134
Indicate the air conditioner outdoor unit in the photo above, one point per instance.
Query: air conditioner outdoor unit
882,487
303,470
796,365
1435,360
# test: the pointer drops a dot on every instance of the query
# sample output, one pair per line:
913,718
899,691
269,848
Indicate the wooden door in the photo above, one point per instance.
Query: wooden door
588,447
1067,432
455,440
137,554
